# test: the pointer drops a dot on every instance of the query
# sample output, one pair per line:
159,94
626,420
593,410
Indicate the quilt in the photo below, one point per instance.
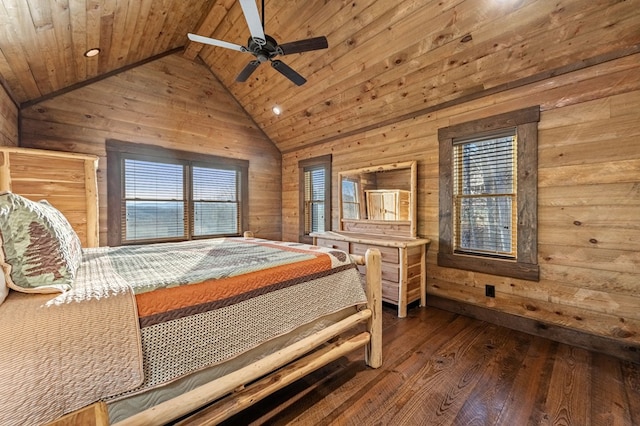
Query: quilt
203,302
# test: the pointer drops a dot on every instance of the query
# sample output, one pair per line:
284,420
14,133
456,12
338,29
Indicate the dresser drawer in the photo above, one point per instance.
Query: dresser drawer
389,254
390,292
339,245
389,272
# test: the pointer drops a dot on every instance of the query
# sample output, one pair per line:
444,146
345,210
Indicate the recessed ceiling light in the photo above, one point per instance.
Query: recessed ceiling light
276,110
92,52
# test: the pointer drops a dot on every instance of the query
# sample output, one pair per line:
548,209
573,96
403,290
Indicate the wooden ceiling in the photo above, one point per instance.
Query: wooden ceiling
386,59
42,42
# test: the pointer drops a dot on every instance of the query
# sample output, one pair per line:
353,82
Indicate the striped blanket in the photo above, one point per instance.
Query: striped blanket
203,302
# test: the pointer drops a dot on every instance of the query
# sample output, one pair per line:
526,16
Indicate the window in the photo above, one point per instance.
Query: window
156,194
484,195
153,206
315,196
488,195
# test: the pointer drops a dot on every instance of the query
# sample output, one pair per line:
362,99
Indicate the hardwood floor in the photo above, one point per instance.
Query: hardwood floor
442,368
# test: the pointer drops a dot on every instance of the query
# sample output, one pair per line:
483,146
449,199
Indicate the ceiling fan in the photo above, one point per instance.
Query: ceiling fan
264,47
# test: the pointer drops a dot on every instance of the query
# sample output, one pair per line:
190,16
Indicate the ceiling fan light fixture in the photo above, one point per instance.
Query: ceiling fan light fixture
92,52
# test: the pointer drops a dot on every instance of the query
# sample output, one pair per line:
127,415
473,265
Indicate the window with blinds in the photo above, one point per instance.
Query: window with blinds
487,202
215,201
484,190
314,190
315,196
154,203
160,195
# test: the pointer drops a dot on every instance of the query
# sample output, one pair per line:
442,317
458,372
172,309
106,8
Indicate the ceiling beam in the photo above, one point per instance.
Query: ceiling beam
97,78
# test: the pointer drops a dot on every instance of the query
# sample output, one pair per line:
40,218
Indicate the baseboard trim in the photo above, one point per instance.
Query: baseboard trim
607,345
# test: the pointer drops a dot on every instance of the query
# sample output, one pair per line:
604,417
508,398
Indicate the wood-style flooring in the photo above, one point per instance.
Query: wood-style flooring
442,368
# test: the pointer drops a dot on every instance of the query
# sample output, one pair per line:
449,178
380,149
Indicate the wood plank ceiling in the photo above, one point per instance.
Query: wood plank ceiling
386,59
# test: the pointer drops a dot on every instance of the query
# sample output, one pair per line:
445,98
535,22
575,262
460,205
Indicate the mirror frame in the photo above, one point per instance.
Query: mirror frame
385,226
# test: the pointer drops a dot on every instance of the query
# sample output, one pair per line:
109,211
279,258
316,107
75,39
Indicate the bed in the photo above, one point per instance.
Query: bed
156,332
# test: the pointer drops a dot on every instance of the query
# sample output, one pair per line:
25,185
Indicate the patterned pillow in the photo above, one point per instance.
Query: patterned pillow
40,251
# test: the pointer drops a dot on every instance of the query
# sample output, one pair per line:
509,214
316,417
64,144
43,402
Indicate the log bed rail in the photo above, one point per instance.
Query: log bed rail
240,389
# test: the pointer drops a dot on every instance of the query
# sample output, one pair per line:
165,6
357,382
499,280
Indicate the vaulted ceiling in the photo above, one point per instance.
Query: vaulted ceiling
386,59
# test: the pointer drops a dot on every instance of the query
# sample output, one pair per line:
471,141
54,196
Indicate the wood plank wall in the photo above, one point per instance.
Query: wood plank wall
171,102
8,120
589,197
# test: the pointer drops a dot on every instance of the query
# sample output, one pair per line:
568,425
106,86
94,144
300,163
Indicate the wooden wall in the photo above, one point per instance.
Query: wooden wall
588,206
8,120
171,102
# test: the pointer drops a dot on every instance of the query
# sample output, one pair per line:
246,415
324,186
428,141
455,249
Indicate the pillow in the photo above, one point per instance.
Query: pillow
40,250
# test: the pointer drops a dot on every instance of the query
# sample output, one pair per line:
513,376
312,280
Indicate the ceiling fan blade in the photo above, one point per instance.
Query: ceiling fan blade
288,72
251,15
306,45
214,42
247,71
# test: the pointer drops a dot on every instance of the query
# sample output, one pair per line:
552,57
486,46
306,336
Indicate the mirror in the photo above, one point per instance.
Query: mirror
379,198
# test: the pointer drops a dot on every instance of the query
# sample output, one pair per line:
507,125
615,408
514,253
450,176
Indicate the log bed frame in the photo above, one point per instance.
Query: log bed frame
230,394
242,388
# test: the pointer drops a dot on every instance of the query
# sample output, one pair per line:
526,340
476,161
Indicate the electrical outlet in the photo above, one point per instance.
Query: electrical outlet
490,290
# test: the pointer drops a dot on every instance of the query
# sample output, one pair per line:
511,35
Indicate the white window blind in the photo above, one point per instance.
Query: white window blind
162,201
484,192
154,202
215,201
314,181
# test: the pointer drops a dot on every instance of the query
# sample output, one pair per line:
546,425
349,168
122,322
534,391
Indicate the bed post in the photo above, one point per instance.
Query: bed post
373,352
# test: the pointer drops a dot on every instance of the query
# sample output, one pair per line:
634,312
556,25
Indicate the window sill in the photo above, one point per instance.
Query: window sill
502,267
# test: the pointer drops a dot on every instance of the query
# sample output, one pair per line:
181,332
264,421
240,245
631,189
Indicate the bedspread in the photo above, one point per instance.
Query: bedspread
204,302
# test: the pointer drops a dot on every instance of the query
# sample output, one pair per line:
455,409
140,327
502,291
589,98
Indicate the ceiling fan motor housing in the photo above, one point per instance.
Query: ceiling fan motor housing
264,52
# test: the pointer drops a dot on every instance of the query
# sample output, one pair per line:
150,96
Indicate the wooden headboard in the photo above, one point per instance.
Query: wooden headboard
66,180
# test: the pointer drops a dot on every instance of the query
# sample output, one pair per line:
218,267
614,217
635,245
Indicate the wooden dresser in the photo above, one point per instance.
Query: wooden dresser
404,269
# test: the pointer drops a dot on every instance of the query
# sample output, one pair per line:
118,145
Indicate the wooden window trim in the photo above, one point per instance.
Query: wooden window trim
115,151
525,266
325,161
